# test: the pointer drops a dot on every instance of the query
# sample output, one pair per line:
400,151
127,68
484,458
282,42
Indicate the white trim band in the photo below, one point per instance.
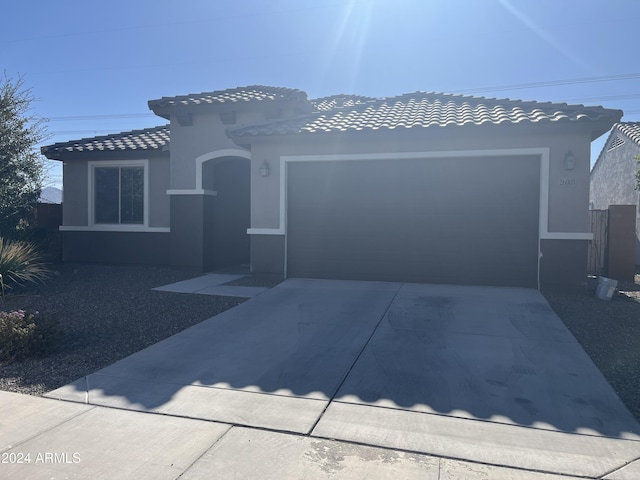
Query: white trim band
115,228
197,191
265,231
225,152
566,236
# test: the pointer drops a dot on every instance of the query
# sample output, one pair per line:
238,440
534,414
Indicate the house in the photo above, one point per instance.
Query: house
421,187
613,180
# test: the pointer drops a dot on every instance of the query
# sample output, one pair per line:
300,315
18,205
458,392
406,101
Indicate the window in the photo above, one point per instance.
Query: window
119,194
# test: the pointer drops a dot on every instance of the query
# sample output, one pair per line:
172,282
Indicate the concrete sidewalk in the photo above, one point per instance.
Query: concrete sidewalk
327,379
44,438
213,284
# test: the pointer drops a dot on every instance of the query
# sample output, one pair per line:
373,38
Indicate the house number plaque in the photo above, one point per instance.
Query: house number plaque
567,182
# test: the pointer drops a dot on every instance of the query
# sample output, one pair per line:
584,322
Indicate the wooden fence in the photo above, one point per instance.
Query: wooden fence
48,215
612,250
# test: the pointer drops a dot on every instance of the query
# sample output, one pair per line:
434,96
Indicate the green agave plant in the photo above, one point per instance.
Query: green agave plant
20,263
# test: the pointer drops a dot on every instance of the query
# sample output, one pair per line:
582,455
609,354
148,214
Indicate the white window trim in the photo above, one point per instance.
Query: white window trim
105,227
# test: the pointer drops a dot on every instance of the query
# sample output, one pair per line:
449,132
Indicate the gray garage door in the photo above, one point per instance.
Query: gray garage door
458,220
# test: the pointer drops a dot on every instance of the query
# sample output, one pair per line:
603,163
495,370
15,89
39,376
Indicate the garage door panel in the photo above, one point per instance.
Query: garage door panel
470,220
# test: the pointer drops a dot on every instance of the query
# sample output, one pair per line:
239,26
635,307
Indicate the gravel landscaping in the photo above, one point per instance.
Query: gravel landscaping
609,331
110,312
107,313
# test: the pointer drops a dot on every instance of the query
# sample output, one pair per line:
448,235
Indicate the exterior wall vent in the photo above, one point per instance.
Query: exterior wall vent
617,142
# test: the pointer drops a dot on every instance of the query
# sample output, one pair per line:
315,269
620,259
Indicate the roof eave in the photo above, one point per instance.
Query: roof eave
51,154
107,154
166,111
605,123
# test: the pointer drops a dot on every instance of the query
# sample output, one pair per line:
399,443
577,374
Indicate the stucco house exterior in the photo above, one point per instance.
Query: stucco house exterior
613,180
421,187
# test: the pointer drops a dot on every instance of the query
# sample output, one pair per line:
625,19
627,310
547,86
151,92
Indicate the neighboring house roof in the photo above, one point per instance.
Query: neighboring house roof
149,139
630,129
252,93
422,110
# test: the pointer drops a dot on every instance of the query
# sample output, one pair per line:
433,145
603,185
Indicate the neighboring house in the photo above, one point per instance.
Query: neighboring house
421,187
613,180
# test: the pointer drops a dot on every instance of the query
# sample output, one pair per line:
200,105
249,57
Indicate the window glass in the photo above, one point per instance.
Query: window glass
132,195
119,195
106,194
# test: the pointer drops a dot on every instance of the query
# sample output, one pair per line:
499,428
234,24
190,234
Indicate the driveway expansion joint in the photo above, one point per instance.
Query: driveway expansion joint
621,467
49,429
204,451
355,361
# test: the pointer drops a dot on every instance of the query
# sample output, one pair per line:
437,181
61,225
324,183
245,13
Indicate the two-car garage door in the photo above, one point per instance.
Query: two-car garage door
471,220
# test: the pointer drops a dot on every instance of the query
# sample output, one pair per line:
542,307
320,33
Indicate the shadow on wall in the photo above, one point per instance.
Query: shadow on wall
495,354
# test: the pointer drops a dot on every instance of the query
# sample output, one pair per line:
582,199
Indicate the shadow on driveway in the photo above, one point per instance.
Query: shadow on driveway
278,360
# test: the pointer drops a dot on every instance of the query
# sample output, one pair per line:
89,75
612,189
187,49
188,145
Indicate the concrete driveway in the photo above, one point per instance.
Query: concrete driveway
317,378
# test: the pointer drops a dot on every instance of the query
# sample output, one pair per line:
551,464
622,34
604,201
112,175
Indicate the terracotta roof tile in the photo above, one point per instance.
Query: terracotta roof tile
148,139
423,110
251,93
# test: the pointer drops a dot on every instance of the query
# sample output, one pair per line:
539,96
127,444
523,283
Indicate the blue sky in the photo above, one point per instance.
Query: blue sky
94,65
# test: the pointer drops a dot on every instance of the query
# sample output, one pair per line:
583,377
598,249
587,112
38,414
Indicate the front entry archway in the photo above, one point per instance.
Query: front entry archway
226,214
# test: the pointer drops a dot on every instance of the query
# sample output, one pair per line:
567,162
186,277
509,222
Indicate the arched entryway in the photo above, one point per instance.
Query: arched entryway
226,212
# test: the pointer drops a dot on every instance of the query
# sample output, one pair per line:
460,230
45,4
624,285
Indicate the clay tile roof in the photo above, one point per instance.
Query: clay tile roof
339,101
354,113
423,110
149,139
630,129
251,93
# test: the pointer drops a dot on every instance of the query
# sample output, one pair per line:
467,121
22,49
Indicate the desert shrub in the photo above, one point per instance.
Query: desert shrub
20,263
25,334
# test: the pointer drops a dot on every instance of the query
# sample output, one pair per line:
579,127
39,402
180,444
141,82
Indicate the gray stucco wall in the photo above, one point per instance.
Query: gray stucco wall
116,247
187,227
568,205
568,190
206,134
267,253
75,185
613,180
159,208
76,190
